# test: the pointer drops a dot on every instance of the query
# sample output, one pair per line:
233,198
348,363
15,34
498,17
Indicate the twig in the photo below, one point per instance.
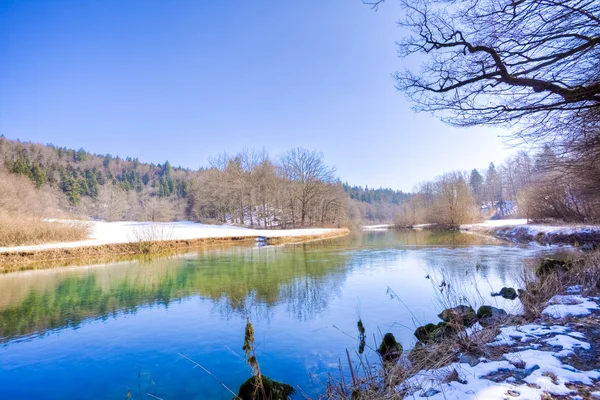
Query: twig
209,373
351,369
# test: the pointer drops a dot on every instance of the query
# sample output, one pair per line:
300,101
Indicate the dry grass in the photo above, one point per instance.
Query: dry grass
152,238
537,290
23,210
18,230
395,380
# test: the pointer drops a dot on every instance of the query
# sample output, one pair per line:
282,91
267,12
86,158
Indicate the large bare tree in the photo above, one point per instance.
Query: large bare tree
501,62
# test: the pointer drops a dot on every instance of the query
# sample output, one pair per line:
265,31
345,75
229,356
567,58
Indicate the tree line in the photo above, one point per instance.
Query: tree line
525,185
296,189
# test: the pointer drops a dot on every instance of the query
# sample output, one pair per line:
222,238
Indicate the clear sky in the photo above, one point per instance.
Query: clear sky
185,80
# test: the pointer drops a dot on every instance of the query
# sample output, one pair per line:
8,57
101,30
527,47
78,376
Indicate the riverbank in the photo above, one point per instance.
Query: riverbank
548,350
123,239
555,356
519,231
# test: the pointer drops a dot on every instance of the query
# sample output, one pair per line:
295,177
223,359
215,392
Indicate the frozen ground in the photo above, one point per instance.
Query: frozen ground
123,232
540,364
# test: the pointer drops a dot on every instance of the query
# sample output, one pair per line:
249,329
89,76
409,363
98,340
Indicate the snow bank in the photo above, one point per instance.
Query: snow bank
102,233
517,230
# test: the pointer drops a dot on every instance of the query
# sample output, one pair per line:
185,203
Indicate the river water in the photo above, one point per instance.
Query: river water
103,332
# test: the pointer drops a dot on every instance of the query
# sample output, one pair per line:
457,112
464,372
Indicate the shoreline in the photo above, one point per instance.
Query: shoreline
518,231
65,254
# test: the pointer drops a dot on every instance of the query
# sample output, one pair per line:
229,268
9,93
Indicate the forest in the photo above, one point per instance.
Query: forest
297,189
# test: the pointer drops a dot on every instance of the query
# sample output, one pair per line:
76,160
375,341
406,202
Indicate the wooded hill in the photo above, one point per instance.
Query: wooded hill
298,189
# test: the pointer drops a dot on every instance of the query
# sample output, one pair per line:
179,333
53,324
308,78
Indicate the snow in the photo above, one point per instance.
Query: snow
567,342
519,231
102,233
533,228
529,371
549,364
382,227
498,222
511,334
561,306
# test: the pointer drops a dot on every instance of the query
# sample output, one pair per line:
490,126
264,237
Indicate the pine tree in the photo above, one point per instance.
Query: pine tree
71,188
476,183
38,175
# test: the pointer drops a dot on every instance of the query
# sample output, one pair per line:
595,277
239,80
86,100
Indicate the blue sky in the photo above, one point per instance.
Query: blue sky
185,80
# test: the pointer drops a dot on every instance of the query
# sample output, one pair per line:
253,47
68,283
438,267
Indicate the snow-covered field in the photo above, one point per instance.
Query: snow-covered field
124,232
538,366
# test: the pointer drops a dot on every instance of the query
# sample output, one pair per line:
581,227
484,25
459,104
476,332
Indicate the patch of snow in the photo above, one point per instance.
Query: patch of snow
473,329
509,335
102,233
576,289
549,364
381,227
561,306
567,342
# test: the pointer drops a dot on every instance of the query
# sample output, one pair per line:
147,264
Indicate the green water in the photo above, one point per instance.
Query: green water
106,331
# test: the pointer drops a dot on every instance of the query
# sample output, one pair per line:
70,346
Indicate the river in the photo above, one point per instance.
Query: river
103,332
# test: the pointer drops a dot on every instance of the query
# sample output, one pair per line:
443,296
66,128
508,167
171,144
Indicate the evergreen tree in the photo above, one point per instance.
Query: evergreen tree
71,188
38,175
476,183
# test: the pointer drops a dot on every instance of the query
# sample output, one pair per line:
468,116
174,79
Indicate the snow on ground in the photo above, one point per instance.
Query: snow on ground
381,227
124,232
569,305
534,368
496,222
533,228
519,231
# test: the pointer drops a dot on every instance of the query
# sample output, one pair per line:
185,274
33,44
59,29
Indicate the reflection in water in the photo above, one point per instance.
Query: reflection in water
248,282
110,329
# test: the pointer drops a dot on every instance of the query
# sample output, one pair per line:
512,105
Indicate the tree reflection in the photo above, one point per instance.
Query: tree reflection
241,281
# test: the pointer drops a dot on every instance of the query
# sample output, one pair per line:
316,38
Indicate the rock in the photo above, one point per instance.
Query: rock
459,315
552,265
488,315
507,293
468,359
431,332
425,333
273,390
430,393
390,349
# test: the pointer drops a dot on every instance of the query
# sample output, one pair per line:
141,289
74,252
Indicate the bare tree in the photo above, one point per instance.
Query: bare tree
454,203
308,172
502,62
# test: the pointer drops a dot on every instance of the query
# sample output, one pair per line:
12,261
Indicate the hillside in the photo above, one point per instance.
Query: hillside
248,188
